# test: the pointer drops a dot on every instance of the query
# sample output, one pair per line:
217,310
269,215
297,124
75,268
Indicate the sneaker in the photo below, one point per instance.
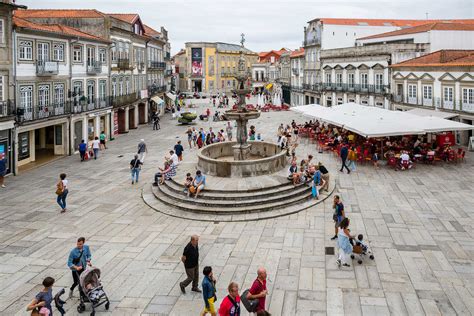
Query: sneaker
338,262
70,293
346,265
183,290
196,290
335,237
4,186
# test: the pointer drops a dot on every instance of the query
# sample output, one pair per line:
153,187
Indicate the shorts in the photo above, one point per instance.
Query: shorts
102,141
339,220
200,187
211,309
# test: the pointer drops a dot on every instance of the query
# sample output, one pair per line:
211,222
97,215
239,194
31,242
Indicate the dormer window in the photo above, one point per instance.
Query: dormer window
137,29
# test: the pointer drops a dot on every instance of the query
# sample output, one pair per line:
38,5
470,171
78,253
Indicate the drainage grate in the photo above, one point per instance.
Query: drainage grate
329,250
216,222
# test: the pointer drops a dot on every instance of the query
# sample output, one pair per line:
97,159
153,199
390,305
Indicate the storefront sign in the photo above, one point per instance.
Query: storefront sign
116,123
196,59
23,145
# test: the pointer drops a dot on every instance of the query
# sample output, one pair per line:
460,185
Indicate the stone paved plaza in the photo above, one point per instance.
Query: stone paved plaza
419,224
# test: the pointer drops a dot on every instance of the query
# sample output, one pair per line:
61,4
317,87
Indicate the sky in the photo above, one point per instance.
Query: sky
267,25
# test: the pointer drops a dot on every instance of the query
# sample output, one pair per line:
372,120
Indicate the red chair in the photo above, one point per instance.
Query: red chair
392,162
366,157
452,156
430,159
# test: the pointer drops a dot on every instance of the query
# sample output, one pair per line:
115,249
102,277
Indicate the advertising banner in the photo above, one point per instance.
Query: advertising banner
196,60
116,123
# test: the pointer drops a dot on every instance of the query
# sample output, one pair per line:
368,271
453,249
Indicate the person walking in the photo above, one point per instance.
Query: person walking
324,176
228,130
3,170
82,150
208,292
343,243
259,289
338,215
195,137
102,138
142,150
41,304
135,166
96,146
344,154
352,156
190,259
79,258
156,121
189,132
62,191
230,305
178,149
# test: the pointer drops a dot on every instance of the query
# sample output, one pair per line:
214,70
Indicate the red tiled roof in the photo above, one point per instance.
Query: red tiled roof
150,31
297,53
54,28
437,26
54,13
441,58
126,17
387,22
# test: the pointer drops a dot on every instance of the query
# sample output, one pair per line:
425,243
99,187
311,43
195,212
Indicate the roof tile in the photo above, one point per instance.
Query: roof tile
441,58
387,22
66,13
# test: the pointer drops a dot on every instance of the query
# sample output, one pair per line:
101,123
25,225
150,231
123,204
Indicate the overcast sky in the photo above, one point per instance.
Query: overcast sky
267,24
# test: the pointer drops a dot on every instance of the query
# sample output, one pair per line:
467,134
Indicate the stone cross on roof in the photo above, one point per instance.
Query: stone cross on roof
242,41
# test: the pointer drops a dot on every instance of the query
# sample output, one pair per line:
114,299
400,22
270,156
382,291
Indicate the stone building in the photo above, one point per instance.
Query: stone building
285,76
440,83
297,67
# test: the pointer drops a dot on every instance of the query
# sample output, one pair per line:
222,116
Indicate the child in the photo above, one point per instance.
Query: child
188,183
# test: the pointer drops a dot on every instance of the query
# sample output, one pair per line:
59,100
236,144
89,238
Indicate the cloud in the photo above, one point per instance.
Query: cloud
267,24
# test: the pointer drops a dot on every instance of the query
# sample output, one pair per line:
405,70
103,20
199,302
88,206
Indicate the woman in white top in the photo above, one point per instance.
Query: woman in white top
343,242
62,191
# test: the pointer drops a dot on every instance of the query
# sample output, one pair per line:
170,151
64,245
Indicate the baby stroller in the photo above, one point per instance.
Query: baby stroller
91,290
360,249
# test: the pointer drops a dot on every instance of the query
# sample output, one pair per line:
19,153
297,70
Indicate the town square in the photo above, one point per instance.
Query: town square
143,175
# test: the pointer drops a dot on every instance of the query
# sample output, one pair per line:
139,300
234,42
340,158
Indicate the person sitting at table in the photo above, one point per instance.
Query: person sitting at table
405,160
389,154
445,154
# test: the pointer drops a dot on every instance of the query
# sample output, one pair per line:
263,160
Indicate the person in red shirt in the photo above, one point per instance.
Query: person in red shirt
259,289
230,305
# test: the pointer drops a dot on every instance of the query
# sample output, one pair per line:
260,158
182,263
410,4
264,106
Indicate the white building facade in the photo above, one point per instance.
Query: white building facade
297,77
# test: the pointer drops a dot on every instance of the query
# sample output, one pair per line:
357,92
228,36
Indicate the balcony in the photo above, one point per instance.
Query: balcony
295,71
297,88
435,103
313,41
356,88
117,101
6,108
154,89
47,68
159,65
94,67
123,64
45,111
80,106
140,66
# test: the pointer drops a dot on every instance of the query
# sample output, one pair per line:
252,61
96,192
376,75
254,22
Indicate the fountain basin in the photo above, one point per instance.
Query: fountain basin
242,115
218,160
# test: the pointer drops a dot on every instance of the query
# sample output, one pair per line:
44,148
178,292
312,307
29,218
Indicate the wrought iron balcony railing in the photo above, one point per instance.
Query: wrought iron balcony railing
47,68
94,67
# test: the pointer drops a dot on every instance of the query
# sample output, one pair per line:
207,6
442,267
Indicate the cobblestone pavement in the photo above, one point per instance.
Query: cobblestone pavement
419,224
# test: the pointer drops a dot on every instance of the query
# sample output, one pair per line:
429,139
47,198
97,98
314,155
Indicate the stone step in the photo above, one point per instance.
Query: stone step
150,199
219,199
277,190
190,205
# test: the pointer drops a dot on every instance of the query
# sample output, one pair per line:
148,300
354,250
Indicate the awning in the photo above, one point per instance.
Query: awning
171,96
434,113
157,99
269,86
372,122
7,125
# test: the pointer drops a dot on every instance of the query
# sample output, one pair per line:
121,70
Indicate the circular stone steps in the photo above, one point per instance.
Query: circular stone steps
232,205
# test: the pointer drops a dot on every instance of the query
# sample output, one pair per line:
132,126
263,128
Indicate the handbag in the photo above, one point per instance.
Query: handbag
35,312
334,217
192,189
250,305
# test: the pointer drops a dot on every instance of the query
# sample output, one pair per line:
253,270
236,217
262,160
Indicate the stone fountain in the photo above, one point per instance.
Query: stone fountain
241,158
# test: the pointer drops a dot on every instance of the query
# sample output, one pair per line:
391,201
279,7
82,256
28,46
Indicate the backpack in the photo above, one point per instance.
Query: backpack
250,305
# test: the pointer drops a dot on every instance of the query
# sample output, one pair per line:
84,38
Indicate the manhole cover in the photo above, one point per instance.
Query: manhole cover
329,250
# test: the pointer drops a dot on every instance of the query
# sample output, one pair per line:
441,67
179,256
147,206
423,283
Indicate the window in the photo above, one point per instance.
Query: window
26,50
77,90
127,85
90,56
42,52
90,92
328,78
58,52
448,94
103,56
77,53
120,91
468,95
350,80
113,52
412,91
43,96
339,79
427,92
1,89
59,94
364,80
26,98
102,89
378,81
114,87
2,31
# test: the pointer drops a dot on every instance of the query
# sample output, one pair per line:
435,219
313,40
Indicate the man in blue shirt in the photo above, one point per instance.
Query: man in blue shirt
79,258
199,182
82,149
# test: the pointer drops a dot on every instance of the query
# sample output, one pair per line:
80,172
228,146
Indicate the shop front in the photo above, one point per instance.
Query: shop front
6,148
87,126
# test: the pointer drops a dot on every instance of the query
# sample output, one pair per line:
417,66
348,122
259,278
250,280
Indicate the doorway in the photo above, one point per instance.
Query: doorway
197,86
